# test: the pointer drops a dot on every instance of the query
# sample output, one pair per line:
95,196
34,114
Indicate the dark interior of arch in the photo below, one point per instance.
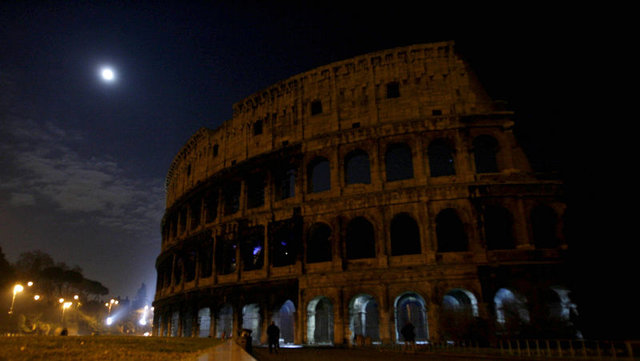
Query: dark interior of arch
398,162
485,150
319,243
405,235
360,240
357,168
450,232
319,175
252,248
441,161
498,227
225,255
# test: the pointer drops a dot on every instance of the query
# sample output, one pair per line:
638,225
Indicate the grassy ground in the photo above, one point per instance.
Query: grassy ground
102,348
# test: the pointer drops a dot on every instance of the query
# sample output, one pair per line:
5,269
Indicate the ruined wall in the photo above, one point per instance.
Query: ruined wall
405,137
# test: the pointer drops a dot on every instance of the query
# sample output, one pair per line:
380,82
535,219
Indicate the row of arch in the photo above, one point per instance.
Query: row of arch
398,161
285,246
357,170
458,314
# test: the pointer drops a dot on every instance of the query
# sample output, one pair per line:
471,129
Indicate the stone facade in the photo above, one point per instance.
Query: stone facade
352,198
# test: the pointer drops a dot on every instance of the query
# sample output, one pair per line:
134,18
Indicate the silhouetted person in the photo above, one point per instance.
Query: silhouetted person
409,334
273,333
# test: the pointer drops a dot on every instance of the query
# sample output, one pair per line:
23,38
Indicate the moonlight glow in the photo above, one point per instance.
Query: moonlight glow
107,74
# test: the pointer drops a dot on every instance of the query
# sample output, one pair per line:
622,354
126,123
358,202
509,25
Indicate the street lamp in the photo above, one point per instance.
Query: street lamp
16,289
65,305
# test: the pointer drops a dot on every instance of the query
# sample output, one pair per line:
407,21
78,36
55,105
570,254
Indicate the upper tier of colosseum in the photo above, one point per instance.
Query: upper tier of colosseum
431,83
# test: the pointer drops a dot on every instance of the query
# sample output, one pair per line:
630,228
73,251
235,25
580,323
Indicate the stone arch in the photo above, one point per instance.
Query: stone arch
544,222
364,318
512,313
441,158
458,313
398,162
562,312
411,307
224,321
174,323
357,167
284,318
251,320
498,228
450,232
360,239
405,235
320,321
319,243
485,152
318,175
204,322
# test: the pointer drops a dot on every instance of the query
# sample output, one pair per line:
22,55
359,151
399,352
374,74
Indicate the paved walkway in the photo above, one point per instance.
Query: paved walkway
228,351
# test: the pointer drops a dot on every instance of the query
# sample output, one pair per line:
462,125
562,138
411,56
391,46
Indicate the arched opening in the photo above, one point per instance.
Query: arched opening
398,162
175,324
252,248
498,228
485,149
405,235
224,322
320,321
319,175
356,167
544,222
204,322
284,318
410,307
187,323
360,239
226,262
363,319
562,313
284,250
319,243
441,161
459,311
512,313
251,320
450,232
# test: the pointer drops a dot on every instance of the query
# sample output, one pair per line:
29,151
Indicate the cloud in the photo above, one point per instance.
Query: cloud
45,164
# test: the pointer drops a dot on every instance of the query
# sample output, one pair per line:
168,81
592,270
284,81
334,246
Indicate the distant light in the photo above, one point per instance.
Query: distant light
67,305
17,289
76,297
109,321
142,322
107,74
36,297
147,334
29,283
61,300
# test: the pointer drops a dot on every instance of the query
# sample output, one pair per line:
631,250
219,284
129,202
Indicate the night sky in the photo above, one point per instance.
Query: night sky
83,162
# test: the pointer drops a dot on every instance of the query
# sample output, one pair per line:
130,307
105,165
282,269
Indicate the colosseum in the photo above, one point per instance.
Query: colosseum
347,201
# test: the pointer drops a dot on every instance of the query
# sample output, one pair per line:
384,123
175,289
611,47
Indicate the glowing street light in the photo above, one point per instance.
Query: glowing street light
65,305
36,297
16,289
29,283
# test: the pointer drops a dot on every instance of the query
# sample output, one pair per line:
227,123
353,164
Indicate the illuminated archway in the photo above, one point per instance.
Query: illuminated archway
411,307
284,318
320,321
363,317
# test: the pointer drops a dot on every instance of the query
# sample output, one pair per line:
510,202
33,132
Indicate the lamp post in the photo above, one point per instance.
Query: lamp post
65,305
16,289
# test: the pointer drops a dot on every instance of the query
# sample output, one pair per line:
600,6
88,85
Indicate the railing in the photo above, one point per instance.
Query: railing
564,349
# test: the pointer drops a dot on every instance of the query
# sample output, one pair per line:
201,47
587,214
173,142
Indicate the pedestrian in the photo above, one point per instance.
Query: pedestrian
273,333
409,334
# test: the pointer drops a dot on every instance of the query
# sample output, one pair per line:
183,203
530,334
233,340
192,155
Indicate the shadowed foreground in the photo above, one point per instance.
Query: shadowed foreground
101,348
350,354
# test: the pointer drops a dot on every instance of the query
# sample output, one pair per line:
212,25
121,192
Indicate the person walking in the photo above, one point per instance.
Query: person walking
273,333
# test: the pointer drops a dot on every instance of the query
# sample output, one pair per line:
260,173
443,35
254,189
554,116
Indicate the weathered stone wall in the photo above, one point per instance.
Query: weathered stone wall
415,96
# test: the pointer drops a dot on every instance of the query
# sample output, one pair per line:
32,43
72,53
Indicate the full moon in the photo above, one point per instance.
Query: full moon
107,74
